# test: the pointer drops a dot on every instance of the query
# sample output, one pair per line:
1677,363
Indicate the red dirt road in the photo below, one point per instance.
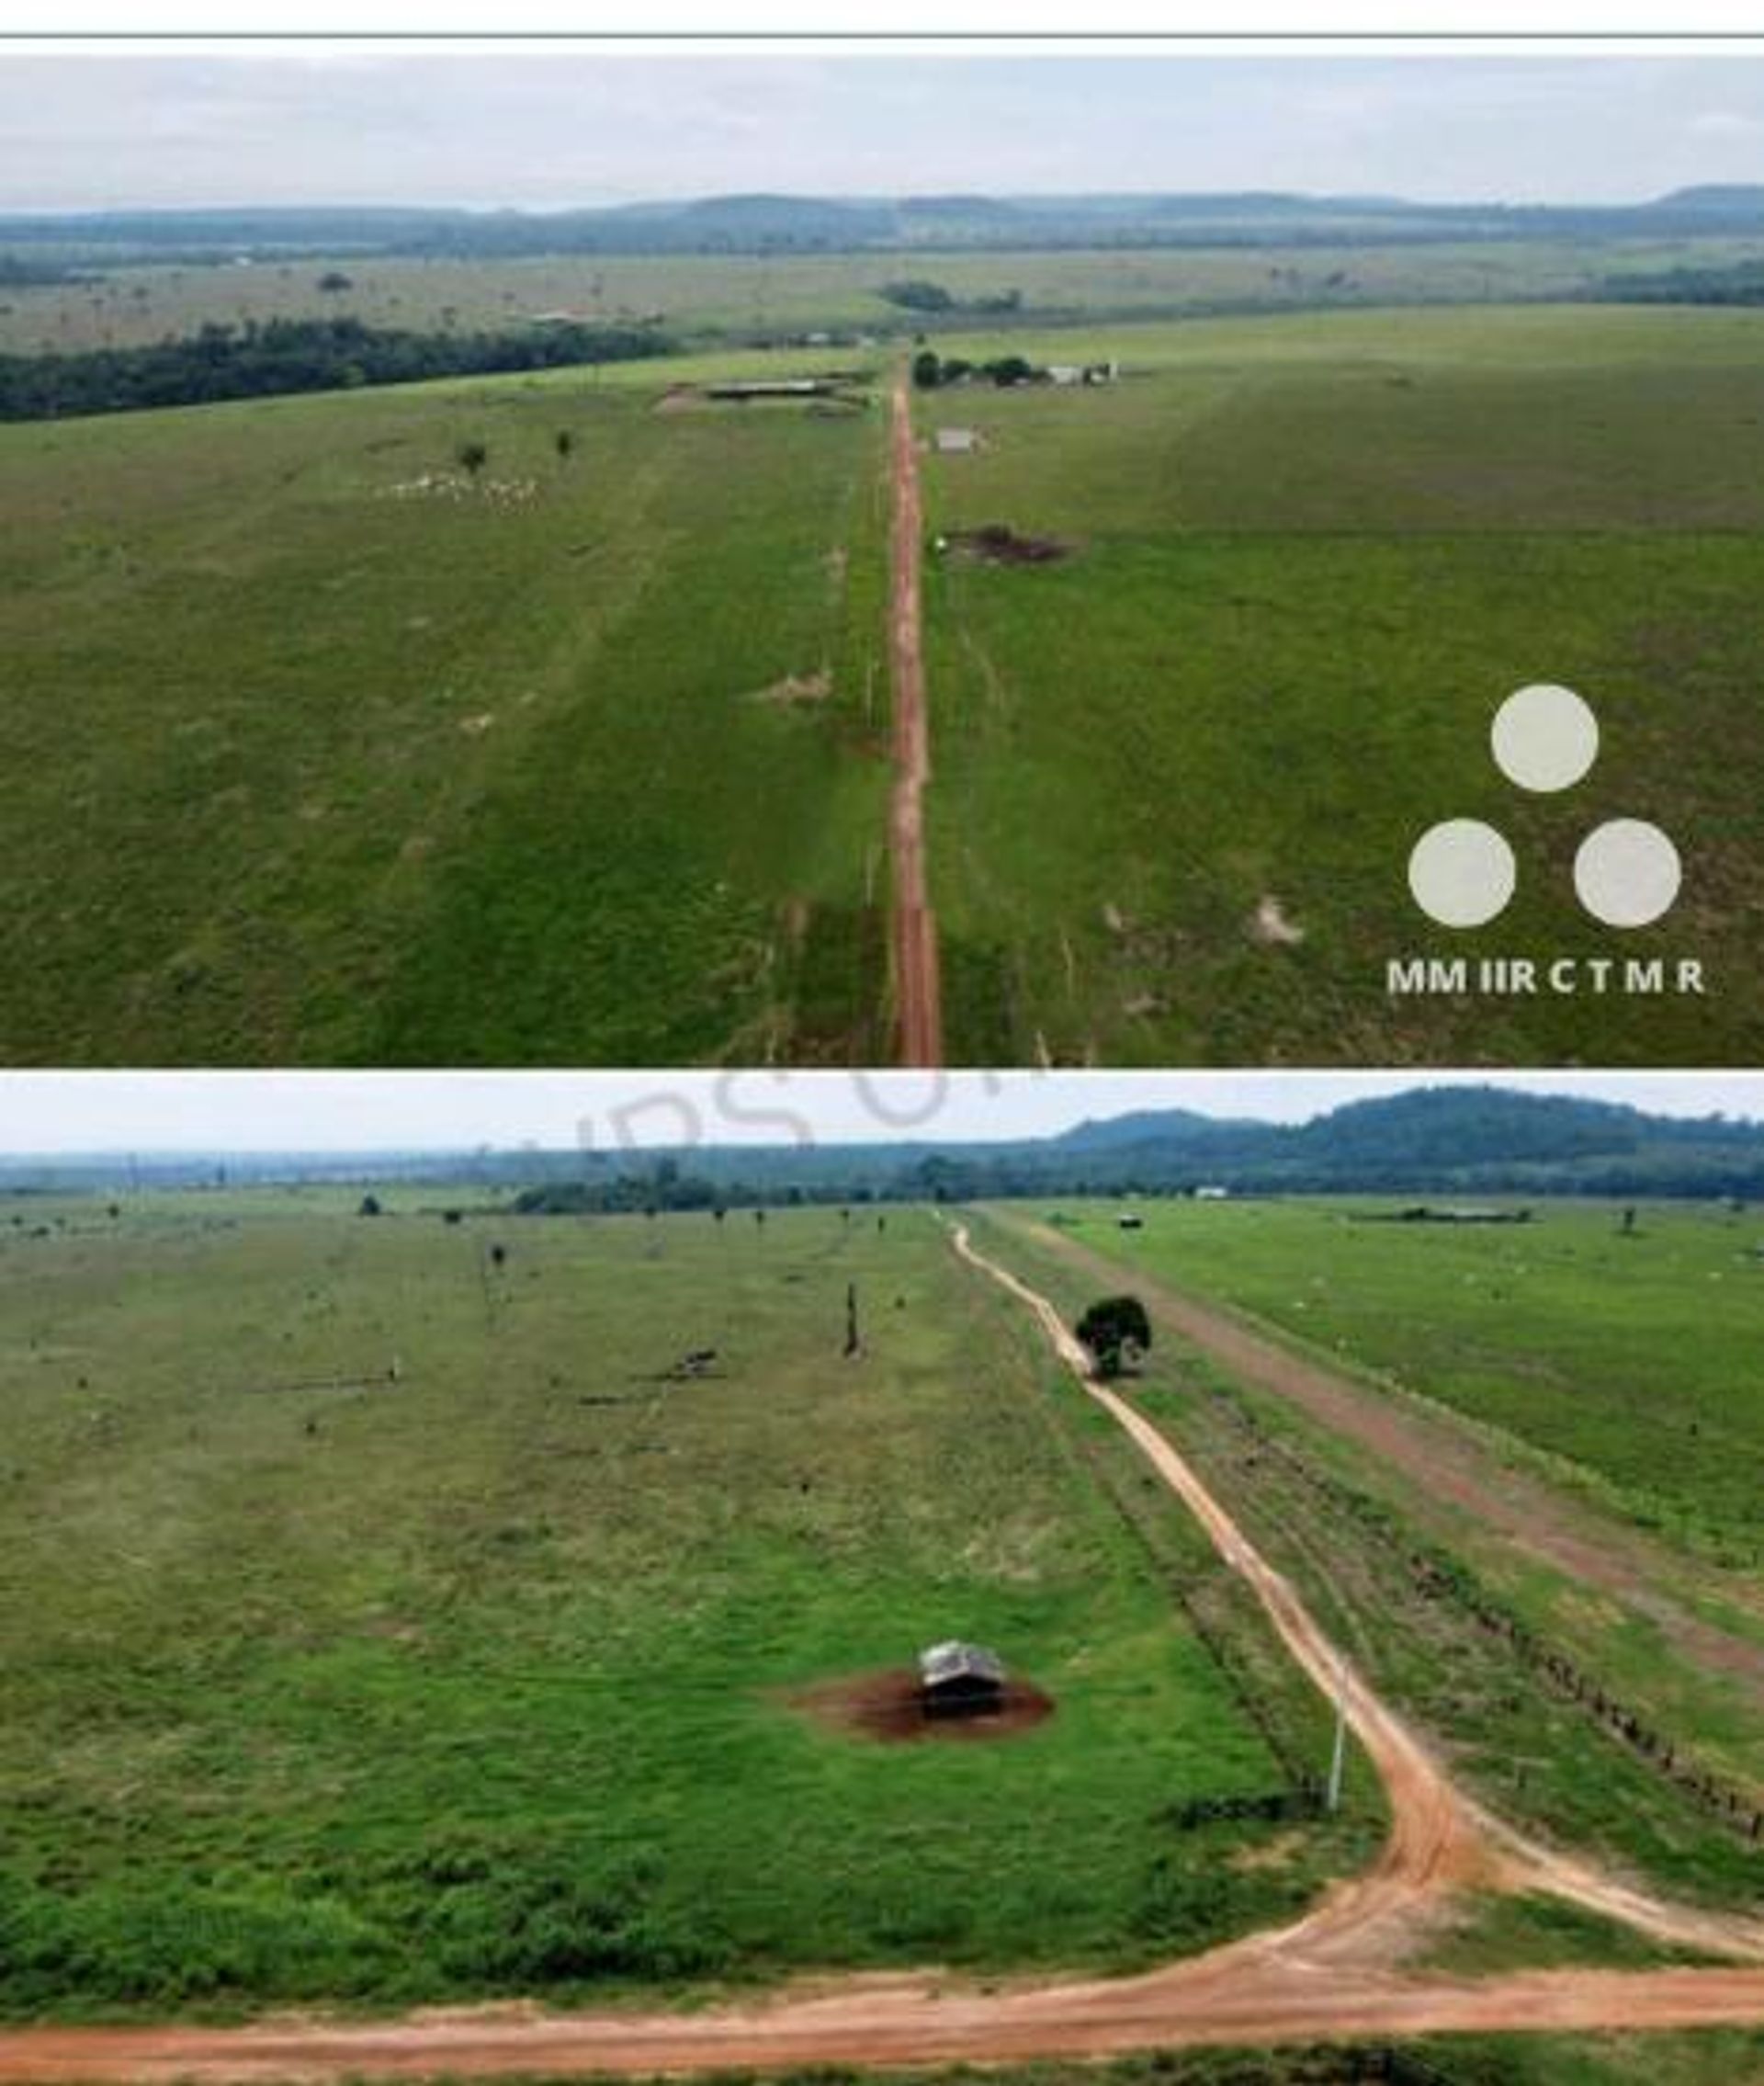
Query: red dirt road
917,978
1335,1973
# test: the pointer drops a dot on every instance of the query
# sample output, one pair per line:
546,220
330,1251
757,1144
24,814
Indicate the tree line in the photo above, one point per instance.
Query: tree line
278,357
1741,283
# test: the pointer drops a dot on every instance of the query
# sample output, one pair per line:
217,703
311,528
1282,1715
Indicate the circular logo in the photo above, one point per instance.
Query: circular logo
1545,738
1627,873
1461,873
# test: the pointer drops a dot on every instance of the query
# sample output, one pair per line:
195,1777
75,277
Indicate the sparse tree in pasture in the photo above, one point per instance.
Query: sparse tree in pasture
1114,1331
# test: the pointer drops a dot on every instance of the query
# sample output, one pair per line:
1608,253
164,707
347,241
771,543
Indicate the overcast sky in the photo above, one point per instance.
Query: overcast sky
62,1112
549,129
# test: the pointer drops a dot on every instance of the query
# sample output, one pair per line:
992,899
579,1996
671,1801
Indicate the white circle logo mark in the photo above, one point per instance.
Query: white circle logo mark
1461,873
1544,739
1627,873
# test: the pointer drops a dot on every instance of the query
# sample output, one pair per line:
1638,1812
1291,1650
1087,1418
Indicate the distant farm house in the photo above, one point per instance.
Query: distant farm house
958,441
960,1679
829,385
1212,1192
1083,373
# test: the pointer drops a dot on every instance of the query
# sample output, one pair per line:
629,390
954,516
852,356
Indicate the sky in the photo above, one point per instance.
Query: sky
550,129
51,1113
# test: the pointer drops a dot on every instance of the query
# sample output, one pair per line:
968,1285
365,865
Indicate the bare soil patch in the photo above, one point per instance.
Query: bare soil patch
996,544
797,689
887,1706
1272,925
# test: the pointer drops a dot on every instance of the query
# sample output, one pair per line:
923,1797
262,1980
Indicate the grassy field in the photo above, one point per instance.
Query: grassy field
1310,557
1625,1361
318,756
318,1681
1610,1370
766,296
1717,2057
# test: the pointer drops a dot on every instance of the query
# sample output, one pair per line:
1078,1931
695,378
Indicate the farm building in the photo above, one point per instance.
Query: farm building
1212,1192
827,383
956,441
1130,1222
960,1679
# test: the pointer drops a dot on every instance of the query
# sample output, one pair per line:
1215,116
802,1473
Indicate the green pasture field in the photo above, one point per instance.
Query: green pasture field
1716,2057
315,760
764,296
323,1682
1179,774
1625,1361
1500,1324
316,757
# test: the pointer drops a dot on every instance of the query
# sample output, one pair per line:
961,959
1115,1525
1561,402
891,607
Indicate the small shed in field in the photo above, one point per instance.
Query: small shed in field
958,441
960,1679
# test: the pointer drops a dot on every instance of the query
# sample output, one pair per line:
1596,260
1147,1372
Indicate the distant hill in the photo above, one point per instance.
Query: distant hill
1172,1127
1487,1139
783,223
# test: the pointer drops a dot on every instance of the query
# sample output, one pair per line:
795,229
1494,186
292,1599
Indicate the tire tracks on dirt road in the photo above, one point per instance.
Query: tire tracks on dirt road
917,982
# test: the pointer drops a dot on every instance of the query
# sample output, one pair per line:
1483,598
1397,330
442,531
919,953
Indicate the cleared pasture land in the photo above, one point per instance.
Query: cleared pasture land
1624,1359
1550,1495
769,296
1178,773
323,1684
322,751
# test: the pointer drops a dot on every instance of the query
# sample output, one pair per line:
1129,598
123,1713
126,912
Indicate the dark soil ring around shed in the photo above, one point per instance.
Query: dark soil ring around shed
889,1708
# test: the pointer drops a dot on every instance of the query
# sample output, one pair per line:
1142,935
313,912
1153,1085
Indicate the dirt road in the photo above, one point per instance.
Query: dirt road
917,979
1335,1973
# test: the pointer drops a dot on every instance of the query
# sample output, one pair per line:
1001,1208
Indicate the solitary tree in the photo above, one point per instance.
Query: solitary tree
851,1341
564,442
927,371
370,1206
1114,1332
472,458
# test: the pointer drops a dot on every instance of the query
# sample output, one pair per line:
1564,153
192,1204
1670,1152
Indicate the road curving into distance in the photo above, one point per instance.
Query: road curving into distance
1336,1973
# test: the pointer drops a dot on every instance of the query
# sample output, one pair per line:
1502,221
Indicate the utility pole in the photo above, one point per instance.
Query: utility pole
1338,1758
852,1343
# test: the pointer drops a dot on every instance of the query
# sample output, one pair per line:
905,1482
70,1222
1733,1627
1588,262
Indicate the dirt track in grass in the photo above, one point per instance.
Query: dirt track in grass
917,976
